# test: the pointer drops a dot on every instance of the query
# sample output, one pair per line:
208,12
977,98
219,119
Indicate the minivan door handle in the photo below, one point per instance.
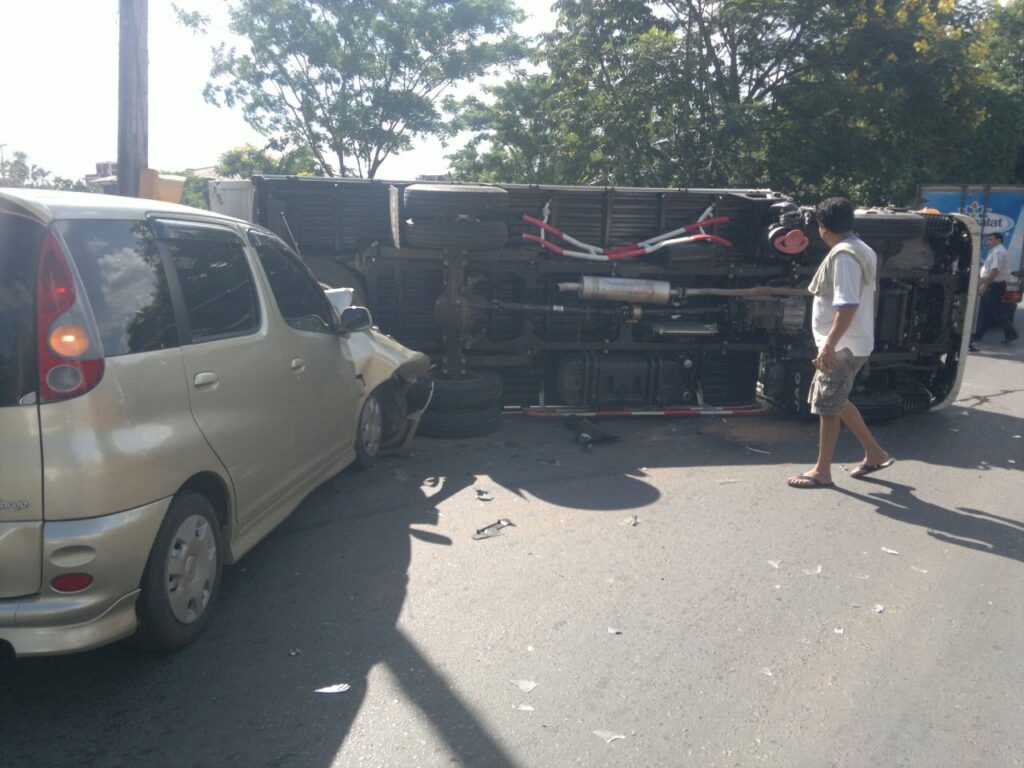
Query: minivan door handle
206,379
298,365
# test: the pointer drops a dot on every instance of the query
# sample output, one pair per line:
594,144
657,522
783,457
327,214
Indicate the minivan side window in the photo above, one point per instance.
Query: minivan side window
124,279
299,297
20,241
214,277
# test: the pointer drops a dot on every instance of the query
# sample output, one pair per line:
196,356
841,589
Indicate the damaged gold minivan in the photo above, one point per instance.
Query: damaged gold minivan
172,384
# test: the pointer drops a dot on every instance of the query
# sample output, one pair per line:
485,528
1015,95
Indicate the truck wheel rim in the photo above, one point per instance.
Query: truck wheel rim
191,569
371,426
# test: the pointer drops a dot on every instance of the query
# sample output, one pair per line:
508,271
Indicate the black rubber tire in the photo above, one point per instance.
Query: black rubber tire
877,405
158,627
367,451
889,226
448,201
463,234
475,423
469,392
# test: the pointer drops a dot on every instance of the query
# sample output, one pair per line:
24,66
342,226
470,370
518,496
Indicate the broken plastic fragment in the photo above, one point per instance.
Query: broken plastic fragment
774,563
294,652
889,551
524,685
815,572
608,736
493,529
523,707
840,630
879,608
918,570
484,495
614,631
729,482
339,688
862,576
766,671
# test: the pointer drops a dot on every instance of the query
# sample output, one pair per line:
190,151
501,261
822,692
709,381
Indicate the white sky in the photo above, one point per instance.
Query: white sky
58,101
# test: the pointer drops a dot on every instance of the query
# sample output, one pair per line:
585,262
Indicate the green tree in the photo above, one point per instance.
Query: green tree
248,160
355,82
19,172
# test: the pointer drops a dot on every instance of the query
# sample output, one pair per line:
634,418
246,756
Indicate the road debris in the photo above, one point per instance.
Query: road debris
840,630
494,529
860,576
889,551
918,570
757,450
608,736
766,671
339,688
728,482
774,563
294,652
815,572
483,495
614,631
633,520
524,685
879,608
523,707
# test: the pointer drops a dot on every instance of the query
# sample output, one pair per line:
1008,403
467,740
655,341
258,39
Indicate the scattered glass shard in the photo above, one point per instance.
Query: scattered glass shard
523,707
614,631
608,736
339,688
493,529
815,572
524,685
918,570
889,551
774,563
840,630
879,608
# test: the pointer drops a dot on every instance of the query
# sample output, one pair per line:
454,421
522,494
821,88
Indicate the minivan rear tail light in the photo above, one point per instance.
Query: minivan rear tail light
70,358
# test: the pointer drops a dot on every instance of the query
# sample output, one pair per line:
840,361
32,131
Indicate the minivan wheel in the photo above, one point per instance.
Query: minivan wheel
182,576
369,432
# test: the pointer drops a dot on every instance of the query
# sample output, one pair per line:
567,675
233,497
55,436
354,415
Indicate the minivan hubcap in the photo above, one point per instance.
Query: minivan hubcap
191,569
372,426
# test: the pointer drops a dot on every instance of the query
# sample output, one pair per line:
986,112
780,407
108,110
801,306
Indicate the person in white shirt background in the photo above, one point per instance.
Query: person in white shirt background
994,272
843,322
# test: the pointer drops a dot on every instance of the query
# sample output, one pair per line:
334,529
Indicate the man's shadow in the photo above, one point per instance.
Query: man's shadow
965,527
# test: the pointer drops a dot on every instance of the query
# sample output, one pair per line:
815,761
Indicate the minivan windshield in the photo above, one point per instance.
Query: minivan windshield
20,241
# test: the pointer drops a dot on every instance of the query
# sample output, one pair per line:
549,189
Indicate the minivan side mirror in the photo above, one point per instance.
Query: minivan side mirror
355,319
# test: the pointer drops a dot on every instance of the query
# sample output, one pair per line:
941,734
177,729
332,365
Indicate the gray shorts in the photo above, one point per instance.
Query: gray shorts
830,391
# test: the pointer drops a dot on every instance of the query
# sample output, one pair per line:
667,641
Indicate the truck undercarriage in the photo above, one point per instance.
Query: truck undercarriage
712,314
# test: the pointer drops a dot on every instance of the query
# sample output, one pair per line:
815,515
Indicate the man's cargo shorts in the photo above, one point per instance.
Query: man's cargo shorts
830,391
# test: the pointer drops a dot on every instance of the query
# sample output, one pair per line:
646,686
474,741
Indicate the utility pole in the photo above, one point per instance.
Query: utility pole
133,96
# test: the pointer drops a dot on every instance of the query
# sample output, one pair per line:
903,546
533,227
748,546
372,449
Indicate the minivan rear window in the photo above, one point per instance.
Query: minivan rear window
20,241
120,266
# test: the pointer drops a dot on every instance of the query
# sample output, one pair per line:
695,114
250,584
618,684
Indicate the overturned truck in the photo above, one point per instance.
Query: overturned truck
600,300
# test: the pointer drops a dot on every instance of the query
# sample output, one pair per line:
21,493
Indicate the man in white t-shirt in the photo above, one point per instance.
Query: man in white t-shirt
994,272
843,321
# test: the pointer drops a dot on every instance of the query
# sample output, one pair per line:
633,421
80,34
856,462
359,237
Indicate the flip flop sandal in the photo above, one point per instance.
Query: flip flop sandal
868,469
814,483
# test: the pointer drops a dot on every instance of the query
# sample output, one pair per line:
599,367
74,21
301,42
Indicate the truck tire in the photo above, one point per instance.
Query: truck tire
475,423
463,234
469,392
877,405
888,225
443,201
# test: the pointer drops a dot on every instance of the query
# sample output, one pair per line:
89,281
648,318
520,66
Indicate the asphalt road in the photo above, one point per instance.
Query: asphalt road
749,619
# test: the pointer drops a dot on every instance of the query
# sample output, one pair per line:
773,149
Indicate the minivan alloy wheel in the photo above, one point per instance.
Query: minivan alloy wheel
370,432
191,569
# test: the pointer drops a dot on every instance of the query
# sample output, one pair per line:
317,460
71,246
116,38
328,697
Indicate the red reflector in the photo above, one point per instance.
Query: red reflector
71,582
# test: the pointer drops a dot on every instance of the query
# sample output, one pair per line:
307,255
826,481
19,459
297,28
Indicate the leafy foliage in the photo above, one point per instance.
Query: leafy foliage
354,81
19,172
864,97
